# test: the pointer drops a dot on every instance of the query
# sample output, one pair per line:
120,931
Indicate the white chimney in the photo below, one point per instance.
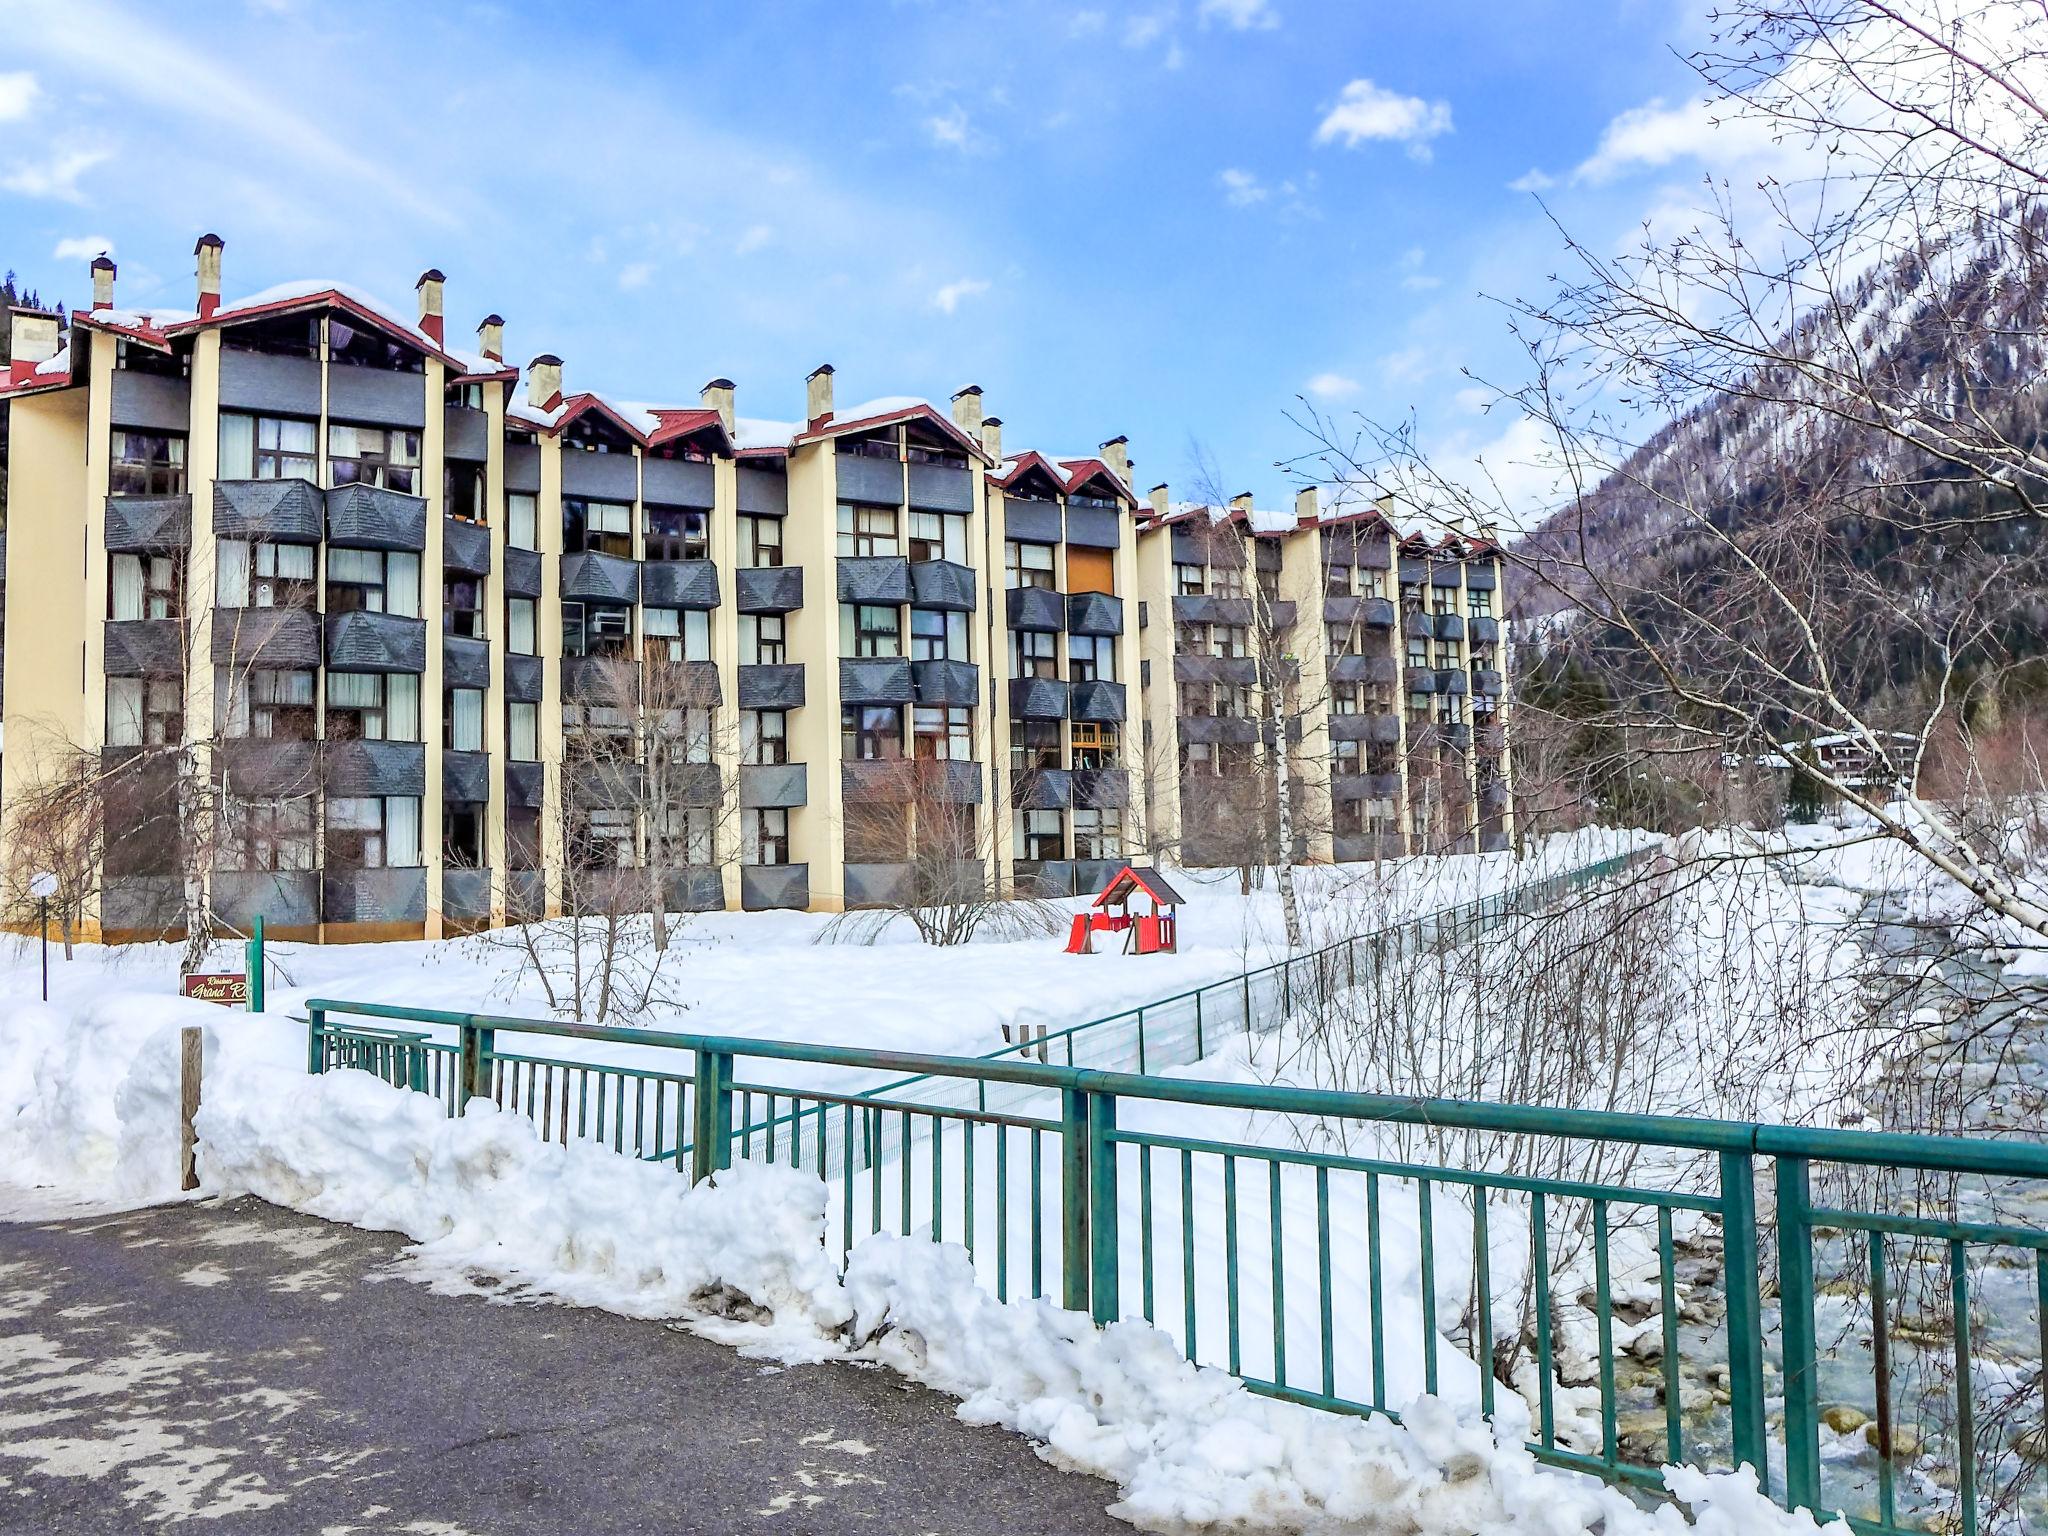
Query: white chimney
32,337
102,282
490,337
992,437
1307,506
967,410
1116,453
818,395
544,382
430,288
208,252
717,396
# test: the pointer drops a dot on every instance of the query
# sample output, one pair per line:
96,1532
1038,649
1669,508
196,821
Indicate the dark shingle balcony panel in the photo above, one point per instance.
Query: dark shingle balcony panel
1384,730
272,385
1363,669
1493,842
1363,786
1098,701
1418,680
878,481
369,517
874,579
1375,553
465,663
1043,789
1486,683
889,781
1189,546
1282,611
1449,627
1240,670
1094,613
1038,608
143,524
1038,698
249,766
465,777
1481,576
1459,736
1423,738
525,784
1238,730
526,894
695,888
767,785
523,679
1035,522
282,898
1095,527
875,681
1418,626
1370,612
592,577
954,783
466,433
357,768
466,894
522,466
142,903
1443,573
1493,796
1485,631
771,687
606,784
1368,846
289,511
775,887
275,639
522,572
150,401
603,476
1210,609
763,491
1453,680
376,642
696,783
679,584
1102,789
1048,879
374,895
946,682
699,685
943,584
376,396
677,483
878,885
144,648
768,588
465,547
1092,875
942,488
1413,571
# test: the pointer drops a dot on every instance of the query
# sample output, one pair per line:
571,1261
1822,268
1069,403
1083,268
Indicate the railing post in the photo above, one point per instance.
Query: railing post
252,965
1074,1150
1201,1051
1745,1316
711,1121
1796,1329
476,1042
1102,1209
316,1040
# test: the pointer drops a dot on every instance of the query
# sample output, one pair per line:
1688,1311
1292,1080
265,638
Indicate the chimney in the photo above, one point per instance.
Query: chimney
490,338
717,396
818,395
544,382
102,282
1242,502
429,288
967,410
32,337
1308,509
1116,453
208,252
992,436
1157,497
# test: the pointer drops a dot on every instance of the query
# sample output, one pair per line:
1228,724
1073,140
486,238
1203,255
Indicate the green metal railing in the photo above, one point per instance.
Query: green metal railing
1290,1265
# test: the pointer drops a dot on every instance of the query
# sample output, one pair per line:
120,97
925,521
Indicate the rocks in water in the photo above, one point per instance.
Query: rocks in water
1843,1418
1906,1440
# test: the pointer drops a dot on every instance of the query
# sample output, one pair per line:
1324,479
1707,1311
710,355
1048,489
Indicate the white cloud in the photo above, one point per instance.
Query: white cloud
56,178
1655,135
1366,112
636,275
752,239
1240,15
950,129
1332,386
82,248
947,300
1147,28
18,92
1241,189
1086,24
1532,180
1475,398
1413,278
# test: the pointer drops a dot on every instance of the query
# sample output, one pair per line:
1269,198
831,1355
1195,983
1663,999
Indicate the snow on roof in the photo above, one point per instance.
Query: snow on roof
884,405
60,362
758,432
1265,520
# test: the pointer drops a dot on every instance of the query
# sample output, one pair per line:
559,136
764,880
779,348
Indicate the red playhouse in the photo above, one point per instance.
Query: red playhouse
1145,933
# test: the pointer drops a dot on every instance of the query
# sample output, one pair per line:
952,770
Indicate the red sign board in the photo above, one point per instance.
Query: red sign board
229,988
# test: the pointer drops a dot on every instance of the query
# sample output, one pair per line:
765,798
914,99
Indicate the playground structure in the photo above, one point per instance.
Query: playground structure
1154,932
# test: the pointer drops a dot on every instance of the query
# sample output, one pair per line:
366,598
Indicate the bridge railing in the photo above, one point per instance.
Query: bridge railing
1317,1270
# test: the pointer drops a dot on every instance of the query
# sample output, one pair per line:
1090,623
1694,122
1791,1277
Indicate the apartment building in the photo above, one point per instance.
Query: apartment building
406,640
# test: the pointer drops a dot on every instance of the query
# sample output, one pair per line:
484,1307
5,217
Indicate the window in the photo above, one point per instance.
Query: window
462,606
373,706
135,357
762,641
938,536
1418,707
602,838
462,835
1479,602
267,705
1229,640
1190,579
943,734
462,491
1371,583
1098,834
1091,570
373,832
596,629
1382,757
1450,708
1233,703
1344,756
870,733
869,629
268,835
267,448
279,336
1028,565
1346,819
1337,579
462,724
764,737
1449,653
865,531
145,586
676,634
1095,745
1227,580
880,835
1034,653
144,712
1347,640
387,457
1091,658
937,635
522,732
1034,746
1191,638
363,347
373,581
760,541
764,836
1411,597
677,533
263,575
521,622
1344,698
1041,837
522,520
686,833
604,527
882,446
1418,651
1195,700
146,464
1444,599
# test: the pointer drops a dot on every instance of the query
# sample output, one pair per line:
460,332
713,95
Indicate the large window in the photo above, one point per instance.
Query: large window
250,575
605,527
522,732
1098,834
144,712
1229,640
865,530
1479,602
462,605
596,629
762,639
278,335
938,536
764,737
522,522
373,581
1041,837
870,629
373,706
360,346
1034,746
267,448
521,625
268,835
1095,745
1028,565
462,491
147,464
267,705
943,734
871,733
462,722
602,838
1034,653
937,635
764,836
374,832
677,533
1091,658
676,634
145,586
1190,579
760,541
386,457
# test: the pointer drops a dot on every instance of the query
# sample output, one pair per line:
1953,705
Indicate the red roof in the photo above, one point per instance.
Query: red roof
1146,879
831,426
671,424
325,298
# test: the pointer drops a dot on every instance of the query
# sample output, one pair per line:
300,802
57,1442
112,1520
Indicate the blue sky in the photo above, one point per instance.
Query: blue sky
1168,220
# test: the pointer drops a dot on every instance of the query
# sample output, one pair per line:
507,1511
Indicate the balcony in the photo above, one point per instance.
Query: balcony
371,768
764,491
780,686
375,642
465,547
1048,879
285,898
1032,518
695,888
150,401
879,885
1485,631
1094,527
941,488
526,894
946,682
775,887
1094,613
1452,680
879,579
378,395
466,895
275,639
286,511
605,476
373,895
1418,626
1363,669
1035,608
878,482
267,767
1097,700
1042,789
875,680
1372,612
769,588
882,781
280,386
1091,875
1365,786
678,483
951,782
942,584
1220,730
142,524
525,785
1105,789
1449,627
1414,571
591,577
1239,671
770,785
1493,842
465,433
465,777
1362,847
522,572
1038,698
1203,609
145,648
679,584
1486,683
1383,729
523,679
151,905
368,517
465,663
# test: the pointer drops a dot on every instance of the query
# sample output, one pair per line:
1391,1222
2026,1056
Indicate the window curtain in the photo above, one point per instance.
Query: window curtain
126,576
402,832
525,733
402,706
402,584
230,573
522,639
351,690
124,711
519,521
467,718
237,447
230,702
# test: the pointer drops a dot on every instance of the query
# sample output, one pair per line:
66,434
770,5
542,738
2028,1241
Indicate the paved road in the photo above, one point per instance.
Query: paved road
241,1364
